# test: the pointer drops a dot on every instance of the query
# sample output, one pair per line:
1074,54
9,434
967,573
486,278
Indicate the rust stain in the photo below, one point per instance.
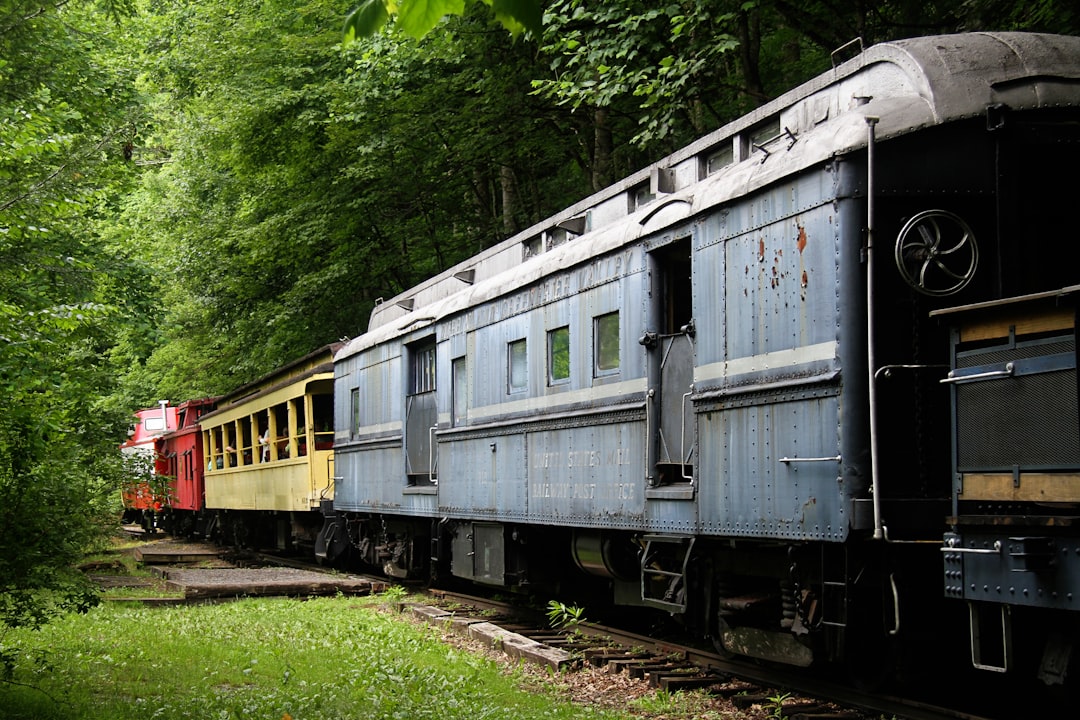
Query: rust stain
761,250
802,238
805,279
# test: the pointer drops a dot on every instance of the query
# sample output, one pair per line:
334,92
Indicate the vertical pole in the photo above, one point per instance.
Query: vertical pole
871,122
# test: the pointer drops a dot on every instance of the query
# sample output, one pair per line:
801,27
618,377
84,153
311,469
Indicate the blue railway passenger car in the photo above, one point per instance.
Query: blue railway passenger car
807,385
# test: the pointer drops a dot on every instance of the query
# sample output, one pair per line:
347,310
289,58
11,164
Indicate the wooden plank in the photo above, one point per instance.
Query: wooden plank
1033,487
1029,323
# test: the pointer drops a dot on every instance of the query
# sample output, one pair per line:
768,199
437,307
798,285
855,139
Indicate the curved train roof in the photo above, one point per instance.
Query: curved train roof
903,86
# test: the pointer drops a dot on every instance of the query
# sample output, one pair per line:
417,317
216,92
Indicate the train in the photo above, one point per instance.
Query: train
806,387
144,494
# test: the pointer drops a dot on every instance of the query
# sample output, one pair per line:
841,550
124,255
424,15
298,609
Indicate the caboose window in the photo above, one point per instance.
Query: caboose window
518,366
558,355
606,344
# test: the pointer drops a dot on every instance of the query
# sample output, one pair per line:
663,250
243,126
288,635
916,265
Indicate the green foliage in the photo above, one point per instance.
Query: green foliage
775,707
418,17
63,109
658,62
306,180
561,615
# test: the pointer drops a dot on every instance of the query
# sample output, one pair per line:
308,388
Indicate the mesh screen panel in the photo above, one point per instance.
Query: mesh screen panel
1030,421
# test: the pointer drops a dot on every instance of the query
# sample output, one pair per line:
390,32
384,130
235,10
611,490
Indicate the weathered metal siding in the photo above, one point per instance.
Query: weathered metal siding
532,455
484,477
587,476
768,393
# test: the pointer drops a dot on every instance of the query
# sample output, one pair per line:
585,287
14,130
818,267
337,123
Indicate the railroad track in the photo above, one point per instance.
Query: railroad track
672,666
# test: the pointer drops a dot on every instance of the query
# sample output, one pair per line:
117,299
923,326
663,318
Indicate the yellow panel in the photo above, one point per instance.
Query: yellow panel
1025,324
322,470
1034,487
282,486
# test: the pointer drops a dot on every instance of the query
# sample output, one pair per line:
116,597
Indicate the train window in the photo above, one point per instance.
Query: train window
262,425
244,444
558,351
719,158
532,247
556,237
229,438
639,196
354,405
422,367
606,344
322,417
459,390
279,430
518,366
759,136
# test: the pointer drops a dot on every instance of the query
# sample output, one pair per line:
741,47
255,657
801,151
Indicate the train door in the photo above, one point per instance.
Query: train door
421,414
670,342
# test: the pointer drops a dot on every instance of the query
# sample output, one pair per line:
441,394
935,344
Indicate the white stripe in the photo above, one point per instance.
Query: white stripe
767,361
600,392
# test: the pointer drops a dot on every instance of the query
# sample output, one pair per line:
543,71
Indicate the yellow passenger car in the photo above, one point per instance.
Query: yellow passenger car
269,455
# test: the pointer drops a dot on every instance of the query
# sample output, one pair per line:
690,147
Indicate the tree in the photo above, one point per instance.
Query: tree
682,69
63,128
306,179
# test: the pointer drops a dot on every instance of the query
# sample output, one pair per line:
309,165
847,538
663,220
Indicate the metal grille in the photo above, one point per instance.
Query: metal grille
1028,422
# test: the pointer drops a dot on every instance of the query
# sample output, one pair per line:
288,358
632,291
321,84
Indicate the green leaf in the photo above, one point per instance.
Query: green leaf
518,15
417,17
366,19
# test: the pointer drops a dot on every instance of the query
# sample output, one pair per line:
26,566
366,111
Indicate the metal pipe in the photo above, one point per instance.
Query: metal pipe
871,122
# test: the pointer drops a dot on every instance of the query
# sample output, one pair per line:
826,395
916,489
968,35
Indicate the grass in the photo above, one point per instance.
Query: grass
269,658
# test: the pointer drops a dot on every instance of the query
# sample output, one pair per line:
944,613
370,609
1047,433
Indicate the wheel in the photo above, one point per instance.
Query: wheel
936,253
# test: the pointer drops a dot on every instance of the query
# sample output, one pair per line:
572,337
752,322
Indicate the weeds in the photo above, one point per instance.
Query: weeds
394,594
564,616
776,705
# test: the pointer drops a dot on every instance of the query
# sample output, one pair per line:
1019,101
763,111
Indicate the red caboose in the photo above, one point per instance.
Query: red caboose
140,497
179,466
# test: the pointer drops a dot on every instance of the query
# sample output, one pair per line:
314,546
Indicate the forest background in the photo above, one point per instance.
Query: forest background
194,193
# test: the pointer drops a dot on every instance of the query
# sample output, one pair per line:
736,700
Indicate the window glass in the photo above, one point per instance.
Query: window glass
720,158
639,197
559,355
606,343
423,368
460,390
519,366
354,404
